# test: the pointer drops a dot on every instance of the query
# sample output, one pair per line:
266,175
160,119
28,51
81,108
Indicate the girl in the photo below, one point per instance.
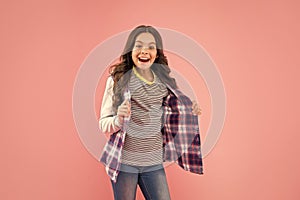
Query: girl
149,120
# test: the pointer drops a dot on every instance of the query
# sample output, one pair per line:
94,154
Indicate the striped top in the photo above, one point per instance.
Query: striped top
143,141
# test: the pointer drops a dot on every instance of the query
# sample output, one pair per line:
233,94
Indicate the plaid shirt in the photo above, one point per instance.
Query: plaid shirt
181,137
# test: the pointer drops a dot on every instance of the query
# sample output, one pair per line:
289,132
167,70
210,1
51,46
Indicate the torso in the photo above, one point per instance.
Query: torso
143,142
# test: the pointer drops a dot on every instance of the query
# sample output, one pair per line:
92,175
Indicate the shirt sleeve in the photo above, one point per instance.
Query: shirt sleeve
109,121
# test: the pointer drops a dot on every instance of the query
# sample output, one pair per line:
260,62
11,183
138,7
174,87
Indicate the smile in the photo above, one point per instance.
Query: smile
144,60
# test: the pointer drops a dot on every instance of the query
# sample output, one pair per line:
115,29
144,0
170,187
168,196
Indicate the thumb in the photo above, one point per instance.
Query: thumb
125,102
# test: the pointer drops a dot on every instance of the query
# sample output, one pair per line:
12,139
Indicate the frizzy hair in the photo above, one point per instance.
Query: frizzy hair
120,71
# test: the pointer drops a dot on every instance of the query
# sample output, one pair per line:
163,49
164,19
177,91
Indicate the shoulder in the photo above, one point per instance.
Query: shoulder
109,82
109,85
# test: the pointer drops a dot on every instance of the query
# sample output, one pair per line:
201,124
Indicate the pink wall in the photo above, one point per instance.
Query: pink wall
255,45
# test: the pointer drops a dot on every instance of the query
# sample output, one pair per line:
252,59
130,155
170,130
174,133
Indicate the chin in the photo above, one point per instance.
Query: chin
143,65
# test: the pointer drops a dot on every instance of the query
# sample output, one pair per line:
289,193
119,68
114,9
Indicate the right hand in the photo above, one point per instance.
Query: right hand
123,110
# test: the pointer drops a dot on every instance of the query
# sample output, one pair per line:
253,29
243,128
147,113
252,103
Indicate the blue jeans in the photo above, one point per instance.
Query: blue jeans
151,180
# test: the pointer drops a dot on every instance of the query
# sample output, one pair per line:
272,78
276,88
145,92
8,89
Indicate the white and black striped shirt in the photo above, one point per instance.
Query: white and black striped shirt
143,141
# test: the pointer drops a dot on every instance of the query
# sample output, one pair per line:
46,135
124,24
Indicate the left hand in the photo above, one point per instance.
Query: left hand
196,109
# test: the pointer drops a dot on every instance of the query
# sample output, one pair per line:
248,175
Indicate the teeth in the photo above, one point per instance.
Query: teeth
144,58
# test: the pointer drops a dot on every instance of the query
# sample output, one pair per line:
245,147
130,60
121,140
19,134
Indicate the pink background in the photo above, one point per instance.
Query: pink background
255,45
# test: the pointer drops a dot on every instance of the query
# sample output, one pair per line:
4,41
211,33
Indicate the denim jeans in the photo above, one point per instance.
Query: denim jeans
151,180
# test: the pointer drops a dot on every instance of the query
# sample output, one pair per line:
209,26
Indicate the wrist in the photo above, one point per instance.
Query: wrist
117,121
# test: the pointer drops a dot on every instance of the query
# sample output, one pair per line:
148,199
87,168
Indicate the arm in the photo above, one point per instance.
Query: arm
109,121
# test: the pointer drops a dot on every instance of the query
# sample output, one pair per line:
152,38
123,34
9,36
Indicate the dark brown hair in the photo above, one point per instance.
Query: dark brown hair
120,71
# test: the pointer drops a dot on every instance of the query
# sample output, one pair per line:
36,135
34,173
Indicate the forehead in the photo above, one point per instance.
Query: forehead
145,38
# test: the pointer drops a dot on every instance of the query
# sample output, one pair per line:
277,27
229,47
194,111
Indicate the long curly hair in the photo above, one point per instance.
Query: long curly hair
120,71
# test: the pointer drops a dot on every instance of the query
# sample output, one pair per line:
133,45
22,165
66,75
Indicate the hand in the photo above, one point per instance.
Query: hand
123,110
196,109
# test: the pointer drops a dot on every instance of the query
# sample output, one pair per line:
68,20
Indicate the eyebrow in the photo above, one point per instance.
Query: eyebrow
143,42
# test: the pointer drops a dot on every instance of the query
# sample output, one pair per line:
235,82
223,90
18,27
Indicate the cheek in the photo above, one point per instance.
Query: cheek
154,55
133,55
134,58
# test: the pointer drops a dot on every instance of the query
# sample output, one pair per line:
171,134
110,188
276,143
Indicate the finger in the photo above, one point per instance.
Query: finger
194,103
123,114
199,112
124,110
125,102
196,106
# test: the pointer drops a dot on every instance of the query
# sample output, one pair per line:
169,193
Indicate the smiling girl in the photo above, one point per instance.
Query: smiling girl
149,120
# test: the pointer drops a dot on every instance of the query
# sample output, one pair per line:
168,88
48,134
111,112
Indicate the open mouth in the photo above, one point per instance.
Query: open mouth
144,60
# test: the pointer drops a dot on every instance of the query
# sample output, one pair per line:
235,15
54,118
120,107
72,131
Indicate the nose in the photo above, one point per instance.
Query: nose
144,50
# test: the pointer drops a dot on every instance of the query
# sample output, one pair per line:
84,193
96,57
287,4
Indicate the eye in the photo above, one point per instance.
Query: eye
138,46
152,47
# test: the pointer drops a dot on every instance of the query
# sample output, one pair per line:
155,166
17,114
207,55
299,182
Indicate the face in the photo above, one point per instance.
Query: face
144,51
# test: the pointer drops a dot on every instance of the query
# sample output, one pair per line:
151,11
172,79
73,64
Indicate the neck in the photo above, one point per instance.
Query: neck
145,73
